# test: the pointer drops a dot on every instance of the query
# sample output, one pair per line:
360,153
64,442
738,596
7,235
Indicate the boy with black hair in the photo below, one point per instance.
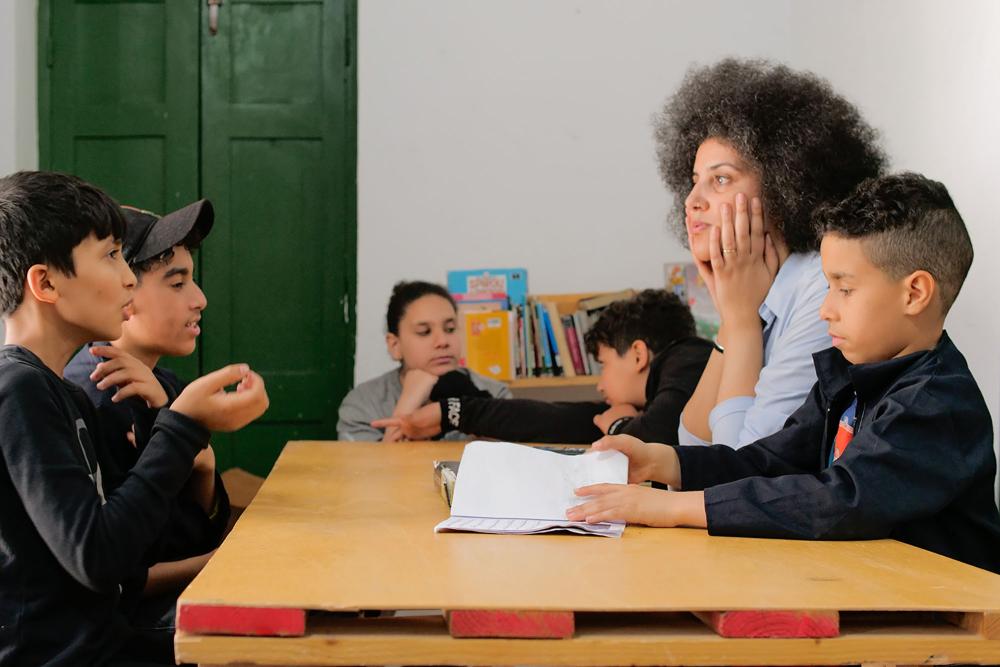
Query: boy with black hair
650,362
162,321
70,543
894,440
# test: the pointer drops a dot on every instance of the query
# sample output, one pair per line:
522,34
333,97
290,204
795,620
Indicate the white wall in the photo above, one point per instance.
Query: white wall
517,132
18,88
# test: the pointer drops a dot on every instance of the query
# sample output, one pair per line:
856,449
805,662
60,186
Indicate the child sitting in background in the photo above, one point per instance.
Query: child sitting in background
651,361
893,441
422,335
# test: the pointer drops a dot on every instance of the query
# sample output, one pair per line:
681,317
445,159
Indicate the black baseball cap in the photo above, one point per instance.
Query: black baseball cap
148,235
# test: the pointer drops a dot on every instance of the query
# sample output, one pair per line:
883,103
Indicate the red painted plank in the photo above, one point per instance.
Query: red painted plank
227,620
520,624
783,624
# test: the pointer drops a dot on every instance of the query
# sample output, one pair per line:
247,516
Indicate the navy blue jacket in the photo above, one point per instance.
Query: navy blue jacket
920,468
67,541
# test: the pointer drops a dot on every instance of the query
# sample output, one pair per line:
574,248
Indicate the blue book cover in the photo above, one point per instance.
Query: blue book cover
543,335
489,283
550,337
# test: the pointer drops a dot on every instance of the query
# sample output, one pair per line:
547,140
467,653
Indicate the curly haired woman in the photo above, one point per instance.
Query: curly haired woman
749,149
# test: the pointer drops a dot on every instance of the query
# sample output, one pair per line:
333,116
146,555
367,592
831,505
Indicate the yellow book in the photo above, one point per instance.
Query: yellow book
489,343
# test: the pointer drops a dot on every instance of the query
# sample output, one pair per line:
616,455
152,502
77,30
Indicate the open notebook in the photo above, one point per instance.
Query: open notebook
508,488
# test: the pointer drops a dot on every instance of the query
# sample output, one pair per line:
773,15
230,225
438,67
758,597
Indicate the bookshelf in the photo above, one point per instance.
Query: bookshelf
559,388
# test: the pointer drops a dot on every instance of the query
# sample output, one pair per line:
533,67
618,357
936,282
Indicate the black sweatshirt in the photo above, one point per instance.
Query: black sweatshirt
66,543
920,468
189,531
673,376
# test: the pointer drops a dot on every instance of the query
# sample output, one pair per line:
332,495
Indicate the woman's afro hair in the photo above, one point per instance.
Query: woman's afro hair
807,144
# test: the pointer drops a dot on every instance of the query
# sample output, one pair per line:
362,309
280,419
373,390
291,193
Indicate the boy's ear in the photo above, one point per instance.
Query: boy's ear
392,344
639,353
39,283
920,290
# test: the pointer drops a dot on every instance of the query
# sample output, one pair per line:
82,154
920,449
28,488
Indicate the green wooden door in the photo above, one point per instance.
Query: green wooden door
119,102
139,98
278,159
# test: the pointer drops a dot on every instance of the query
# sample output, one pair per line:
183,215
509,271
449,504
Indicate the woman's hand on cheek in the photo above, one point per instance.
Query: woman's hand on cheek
744,262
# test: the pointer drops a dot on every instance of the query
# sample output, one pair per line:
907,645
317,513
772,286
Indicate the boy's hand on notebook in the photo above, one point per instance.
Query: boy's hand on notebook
422,424
647,461
207,402
623,502
639,504
131,376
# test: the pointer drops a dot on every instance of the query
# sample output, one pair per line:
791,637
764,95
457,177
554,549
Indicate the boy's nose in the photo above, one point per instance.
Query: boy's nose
200,300
825,310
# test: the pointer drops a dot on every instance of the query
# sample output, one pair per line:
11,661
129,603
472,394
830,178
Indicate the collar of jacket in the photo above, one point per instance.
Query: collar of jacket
654,379
869,381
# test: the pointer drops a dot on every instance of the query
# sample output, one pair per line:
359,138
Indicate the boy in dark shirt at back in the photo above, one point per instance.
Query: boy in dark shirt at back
69,543
894,440
650,359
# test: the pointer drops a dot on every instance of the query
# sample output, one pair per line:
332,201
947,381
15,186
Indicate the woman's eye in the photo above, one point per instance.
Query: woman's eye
846,291
722,179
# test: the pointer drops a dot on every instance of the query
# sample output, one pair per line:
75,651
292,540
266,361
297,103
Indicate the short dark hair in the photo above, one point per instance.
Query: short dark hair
43,216
406,292
656,317
807,144
906,223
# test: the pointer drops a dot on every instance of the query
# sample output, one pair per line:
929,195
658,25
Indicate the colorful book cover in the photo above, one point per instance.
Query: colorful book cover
543,339
578,327
574,345
489,340
513,283
684,280
565,357
550,337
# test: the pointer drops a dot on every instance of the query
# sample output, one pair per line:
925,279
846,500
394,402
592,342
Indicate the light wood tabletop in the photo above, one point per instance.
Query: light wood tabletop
342,527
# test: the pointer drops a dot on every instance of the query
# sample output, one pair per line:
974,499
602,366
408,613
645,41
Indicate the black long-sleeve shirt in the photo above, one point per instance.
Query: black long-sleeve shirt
66,542
190,531
673,376
920,467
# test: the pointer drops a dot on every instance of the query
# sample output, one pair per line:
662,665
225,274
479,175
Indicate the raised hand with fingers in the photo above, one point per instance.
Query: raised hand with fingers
207,402
422,424
131,376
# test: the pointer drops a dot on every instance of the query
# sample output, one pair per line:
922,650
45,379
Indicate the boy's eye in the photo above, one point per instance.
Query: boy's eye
178,286
846,291
423,332
450,328
114,253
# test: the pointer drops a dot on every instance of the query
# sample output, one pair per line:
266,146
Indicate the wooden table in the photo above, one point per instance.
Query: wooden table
342,527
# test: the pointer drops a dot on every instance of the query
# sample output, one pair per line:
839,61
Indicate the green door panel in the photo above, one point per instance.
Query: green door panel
119,102
278,162
138,97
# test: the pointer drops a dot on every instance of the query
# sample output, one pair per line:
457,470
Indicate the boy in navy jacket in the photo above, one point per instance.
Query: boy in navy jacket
69,543
894,440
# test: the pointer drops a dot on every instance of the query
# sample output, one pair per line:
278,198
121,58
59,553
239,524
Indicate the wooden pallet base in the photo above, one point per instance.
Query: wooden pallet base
599,640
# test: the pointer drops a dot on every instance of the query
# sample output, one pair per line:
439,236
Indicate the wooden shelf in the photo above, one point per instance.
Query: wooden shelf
545,382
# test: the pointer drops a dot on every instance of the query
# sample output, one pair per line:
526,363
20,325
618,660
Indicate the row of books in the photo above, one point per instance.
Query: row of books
507,334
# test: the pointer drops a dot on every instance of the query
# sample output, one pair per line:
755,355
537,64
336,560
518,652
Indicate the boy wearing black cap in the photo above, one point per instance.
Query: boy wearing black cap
127,388
69,537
